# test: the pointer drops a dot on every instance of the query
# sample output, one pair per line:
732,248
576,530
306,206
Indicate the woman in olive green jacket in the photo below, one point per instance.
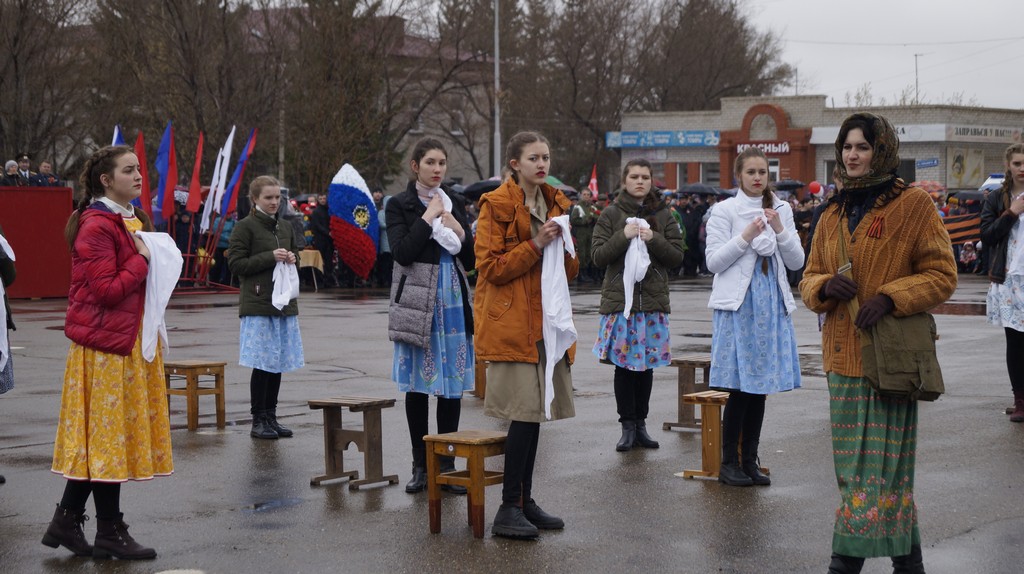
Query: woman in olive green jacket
269,339
636,341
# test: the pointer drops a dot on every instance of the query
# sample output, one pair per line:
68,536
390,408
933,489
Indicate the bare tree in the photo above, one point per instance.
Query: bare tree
41,79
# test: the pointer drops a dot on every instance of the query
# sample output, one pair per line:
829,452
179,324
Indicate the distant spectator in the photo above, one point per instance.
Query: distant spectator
968,258
46,177
385,264
11,178
320,223
25,175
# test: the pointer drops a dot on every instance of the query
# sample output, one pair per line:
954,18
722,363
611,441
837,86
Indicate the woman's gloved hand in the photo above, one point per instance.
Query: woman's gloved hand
873,310
839,287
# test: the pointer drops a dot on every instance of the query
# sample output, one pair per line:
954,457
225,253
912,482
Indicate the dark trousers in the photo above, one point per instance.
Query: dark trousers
744,413
520,456
327,254
417,412
1015,358
105,495
263,389
385,265
633,394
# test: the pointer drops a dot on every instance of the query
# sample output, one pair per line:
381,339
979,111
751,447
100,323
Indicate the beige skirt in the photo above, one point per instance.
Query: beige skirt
515,391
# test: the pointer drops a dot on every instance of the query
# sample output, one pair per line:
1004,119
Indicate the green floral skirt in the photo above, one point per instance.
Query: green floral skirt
874,442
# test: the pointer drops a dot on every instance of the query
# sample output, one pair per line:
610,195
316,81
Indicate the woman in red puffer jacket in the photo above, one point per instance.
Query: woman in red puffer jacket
113,416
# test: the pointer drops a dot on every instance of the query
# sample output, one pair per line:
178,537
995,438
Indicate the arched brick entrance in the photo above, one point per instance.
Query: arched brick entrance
791,146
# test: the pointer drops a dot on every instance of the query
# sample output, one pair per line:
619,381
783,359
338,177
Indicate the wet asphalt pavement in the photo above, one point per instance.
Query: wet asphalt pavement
235,504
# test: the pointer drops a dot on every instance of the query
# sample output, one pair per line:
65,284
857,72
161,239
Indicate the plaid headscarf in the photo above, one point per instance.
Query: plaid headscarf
885,152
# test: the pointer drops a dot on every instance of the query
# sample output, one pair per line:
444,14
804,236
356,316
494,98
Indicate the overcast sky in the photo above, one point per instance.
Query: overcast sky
969,47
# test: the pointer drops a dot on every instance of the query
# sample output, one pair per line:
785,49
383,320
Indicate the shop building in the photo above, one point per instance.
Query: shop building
957,146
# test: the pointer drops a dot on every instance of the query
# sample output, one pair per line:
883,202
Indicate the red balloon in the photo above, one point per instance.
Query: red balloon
814,186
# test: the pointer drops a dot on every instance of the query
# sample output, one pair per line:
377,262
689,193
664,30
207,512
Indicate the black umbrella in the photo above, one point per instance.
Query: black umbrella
699,189
788,185
473,191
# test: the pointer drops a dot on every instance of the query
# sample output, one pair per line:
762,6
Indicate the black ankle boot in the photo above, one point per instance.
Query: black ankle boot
730,473
66,530
845,564
751,466
261,428
112,539
912,563
542,520
510,522
628,436
282,431
642,438
448,465
419,471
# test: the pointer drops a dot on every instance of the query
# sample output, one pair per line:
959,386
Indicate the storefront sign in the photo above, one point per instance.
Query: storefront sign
982,134
649,139
934,133
930,162
769,148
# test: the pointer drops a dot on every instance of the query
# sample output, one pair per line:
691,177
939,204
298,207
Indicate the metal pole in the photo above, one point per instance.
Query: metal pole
497,89
917,86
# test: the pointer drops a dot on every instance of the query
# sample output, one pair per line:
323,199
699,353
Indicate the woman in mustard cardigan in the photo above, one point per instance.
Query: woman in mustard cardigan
902,264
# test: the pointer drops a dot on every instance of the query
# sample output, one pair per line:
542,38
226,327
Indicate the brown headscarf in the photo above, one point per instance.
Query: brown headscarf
885,151
879,185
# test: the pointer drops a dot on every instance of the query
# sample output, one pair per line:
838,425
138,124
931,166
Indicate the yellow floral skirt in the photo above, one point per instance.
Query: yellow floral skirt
113,417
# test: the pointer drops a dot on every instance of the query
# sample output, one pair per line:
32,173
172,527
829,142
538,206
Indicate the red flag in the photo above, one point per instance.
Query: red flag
140,152
172,180
592,186
195,189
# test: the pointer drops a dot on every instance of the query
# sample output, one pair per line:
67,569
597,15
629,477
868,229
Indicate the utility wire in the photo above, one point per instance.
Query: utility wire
892,44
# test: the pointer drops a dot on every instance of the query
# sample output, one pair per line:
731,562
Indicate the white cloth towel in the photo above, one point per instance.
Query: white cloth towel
286,284
558,329
3,309
165,263
636,264
445,236
748,208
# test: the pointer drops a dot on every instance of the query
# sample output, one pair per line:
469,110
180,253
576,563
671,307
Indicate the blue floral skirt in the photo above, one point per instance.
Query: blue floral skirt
637,344
271,344
446,367
753,349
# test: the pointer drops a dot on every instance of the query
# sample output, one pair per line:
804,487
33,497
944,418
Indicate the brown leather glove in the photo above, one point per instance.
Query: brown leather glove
873,310
839,287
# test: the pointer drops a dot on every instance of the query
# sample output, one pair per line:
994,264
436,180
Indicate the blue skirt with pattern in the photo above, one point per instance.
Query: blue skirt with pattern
271,344
446,367
753,349
638,343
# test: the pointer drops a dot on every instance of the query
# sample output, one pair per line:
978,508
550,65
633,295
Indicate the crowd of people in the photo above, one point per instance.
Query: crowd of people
875,247
18,173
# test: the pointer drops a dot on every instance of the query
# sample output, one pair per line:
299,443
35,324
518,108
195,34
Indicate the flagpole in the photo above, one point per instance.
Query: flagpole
497,88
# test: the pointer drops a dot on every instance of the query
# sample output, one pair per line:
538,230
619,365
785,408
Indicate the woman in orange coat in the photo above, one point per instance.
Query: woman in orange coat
515,224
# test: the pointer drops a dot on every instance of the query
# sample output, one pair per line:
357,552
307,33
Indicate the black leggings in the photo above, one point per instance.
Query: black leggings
633,394
520,456
105,495
744,413
417,413
263,389
1015,358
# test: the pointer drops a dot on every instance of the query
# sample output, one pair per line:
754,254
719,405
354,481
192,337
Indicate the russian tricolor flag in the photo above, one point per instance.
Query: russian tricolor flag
354,226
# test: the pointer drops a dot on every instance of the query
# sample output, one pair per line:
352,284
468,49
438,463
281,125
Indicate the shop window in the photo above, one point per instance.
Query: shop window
907,170
710,173
681,176
773,169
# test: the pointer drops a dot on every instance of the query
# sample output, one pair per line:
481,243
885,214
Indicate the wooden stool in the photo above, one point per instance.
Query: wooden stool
367,441
480,388
687,369
711,403
474,446
191,371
